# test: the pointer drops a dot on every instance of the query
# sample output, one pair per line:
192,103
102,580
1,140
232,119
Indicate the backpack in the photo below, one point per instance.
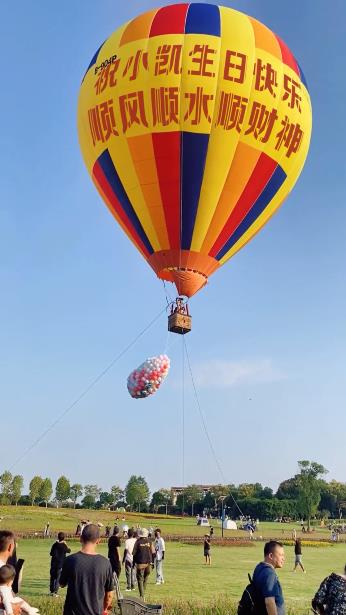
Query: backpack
251,602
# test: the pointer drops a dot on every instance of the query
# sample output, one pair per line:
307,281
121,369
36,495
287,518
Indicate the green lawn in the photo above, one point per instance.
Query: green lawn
28,518
188,580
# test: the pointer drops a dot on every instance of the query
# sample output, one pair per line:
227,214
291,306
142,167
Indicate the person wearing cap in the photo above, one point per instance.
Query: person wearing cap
143,558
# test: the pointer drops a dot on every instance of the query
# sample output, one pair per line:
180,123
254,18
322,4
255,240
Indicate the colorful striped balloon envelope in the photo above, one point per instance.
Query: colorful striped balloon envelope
194,123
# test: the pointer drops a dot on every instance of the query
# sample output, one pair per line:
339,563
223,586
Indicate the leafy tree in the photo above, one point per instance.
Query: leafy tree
338,491
34,488
106,499
217,491
162,497
193,495
16,488
137,491
5,483
249,490
46,490
76,492
62,490
117,494
266,493
288,489
309,485
92,492
88,501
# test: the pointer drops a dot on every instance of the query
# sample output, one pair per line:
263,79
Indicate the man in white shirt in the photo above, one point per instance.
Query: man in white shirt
159,545
128,560
7,546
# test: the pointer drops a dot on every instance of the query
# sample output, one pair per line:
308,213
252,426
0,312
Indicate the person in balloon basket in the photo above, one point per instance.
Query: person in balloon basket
143,559
88,577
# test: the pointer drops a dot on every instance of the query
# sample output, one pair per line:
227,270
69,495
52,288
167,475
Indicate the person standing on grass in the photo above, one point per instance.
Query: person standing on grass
266,580
58,554
206,550
159,546
114,544
298,555
128,560
143,556
7,548
88,577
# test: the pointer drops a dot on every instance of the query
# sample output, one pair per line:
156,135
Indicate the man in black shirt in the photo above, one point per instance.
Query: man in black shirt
58,554
88,577
114,557
143,558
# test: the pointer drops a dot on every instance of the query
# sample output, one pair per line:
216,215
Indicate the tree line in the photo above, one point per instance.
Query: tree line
305,495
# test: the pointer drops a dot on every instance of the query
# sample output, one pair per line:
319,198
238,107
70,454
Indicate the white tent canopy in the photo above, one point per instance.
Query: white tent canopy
228,524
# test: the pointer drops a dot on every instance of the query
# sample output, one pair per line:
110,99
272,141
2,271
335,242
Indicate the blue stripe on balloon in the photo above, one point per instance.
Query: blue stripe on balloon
275,182
302,76
106,163
203,19
93,60
194,149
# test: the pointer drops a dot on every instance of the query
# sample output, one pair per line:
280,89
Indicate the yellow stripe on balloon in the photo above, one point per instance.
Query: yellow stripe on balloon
142,152
237,34
243,164
276,202
122,160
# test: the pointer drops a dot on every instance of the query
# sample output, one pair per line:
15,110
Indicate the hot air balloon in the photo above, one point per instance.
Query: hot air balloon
194,123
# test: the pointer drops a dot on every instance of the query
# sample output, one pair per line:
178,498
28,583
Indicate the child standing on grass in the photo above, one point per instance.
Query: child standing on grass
7,597
207,547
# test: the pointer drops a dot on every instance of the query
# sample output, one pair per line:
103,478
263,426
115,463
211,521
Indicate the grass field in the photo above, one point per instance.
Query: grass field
190,588
189,581
34,518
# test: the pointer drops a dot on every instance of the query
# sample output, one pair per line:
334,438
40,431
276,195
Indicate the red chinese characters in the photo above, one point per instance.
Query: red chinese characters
198,105
290,137
291,93
168,60
165,105
231,111
136,63
132,110
265,77
261,122
102,122
235,66
107,77
202,59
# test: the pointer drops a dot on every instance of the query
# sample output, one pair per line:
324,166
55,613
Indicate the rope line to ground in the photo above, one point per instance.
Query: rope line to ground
86,390
205,426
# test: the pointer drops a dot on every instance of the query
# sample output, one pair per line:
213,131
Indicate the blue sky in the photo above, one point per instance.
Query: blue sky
268,342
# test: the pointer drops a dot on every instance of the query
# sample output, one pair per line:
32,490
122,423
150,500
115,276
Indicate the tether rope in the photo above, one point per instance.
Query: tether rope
205,425
86,390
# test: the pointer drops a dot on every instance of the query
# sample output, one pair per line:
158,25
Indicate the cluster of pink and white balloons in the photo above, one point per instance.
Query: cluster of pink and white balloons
148,377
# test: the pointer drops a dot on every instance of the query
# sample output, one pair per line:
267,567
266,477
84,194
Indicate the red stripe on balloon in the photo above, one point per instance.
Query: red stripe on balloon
287,56
167,155
260,176
101,180
169,20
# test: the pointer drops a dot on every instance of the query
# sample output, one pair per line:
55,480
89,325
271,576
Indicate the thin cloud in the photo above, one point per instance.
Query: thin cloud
229,374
